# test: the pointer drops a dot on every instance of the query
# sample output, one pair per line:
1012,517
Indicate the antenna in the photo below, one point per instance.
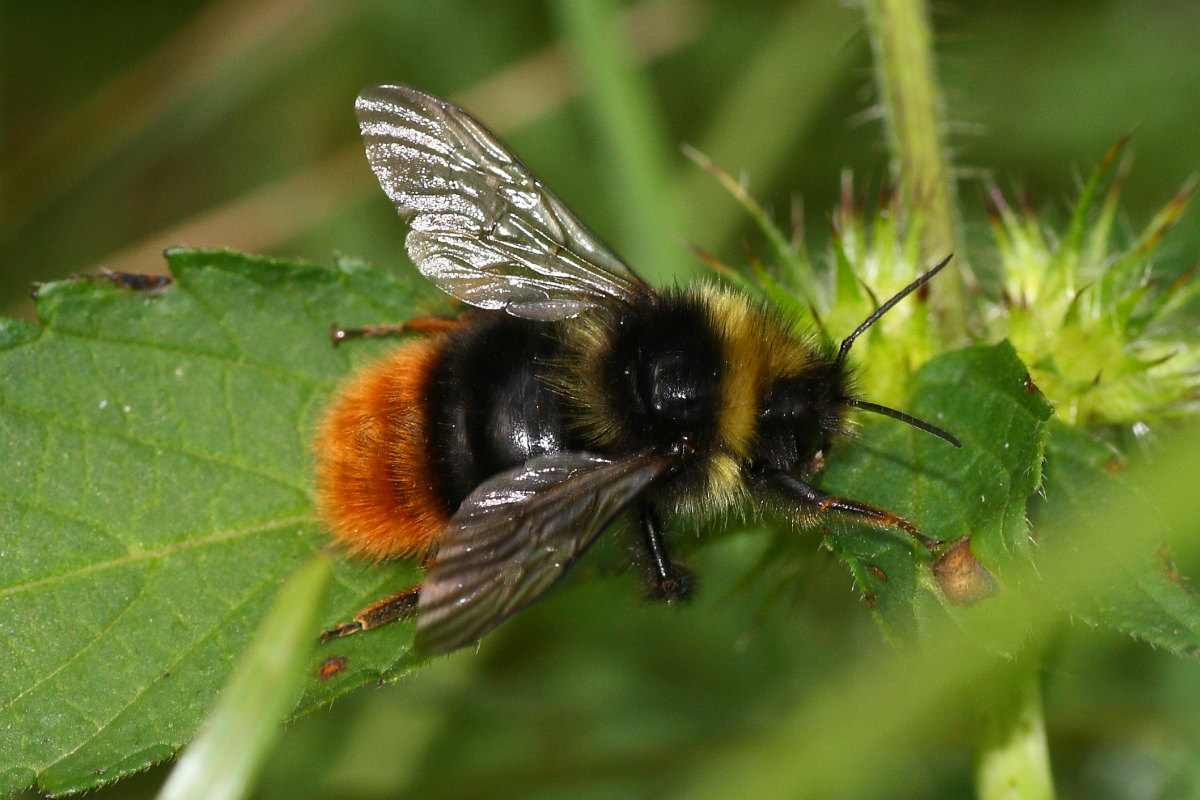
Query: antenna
909,418
920,424
886,307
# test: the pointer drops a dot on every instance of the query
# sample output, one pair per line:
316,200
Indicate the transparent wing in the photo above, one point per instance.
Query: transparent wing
483,228
515,535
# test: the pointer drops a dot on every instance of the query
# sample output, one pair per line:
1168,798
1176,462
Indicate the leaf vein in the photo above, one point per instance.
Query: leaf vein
166,446
156,553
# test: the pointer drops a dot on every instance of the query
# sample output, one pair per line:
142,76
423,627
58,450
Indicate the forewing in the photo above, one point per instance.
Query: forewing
515,535
483,228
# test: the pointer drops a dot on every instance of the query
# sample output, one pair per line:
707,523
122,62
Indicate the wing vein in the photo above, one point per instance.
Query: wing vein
483,227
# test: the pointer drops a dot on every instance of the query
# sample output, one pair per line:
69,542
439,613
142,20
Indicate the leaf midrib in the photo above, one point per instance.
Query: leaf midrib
161,552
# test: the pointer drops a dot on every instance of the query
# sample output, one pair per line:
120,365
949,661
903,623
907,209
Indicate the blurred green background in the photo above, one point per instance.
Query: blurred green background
133,126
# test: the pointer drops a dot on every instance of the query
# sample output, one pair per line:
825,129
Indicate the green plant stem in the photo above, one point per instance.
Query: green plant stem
902,43
633,134
1012,759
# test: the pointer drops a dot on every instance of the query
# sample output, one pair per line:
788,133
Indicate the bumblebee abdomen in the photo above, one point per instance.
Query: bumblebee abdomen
492,402
375,487
408,439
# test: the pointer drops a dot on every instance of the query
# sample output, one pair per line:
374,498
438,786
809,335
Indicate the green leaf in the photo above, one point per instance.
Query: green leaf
1147,598
223,760
983,396
154,491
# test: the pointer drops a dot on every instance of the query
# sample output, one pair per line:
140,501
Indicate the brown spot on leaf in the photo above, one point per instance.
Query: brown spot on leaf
135,281
1171,572
330,667
1030,386
962,579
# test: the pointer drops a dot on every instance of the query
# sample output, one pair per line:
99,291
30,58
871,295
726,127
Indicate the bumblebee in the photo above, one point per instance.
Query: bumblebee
497,446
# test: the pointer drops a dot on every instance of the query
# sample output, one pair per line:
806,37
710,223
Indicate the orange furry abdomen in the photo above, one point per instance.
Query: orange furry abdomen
374,487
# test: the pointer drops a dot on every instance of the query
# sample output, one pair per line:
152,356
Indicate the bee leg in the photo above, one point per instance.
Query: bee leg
823,501
416,325
399,606
668,580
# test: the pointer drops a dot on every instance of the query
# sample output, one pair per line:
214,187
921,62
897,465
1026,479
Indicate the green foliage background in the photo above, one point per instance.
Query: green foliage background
130,127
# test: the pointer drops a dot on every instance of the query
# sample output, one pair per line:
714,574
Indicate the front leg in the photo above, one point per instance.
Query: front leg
821,500
667,579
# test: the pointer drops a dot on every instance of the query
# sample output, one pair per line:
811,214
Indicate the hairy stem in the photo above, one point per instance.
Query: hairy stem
901,39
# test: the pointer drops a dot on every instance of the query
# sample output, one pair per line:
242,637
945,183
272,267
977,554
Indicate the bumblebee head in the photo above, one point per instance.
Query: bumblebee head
798,418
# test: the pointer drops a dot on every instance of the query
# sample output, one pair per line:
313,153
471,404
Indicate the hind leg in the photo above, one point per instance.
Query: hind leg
401,605
339,334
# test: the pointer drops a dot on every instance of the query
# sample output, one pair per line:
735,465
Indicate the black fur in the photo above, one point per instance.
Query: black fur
662,374
496,398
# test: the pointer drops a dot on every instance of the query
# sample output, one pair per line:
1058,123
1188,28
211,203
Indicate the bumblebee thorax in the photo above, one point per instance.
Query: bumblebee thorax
687,370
